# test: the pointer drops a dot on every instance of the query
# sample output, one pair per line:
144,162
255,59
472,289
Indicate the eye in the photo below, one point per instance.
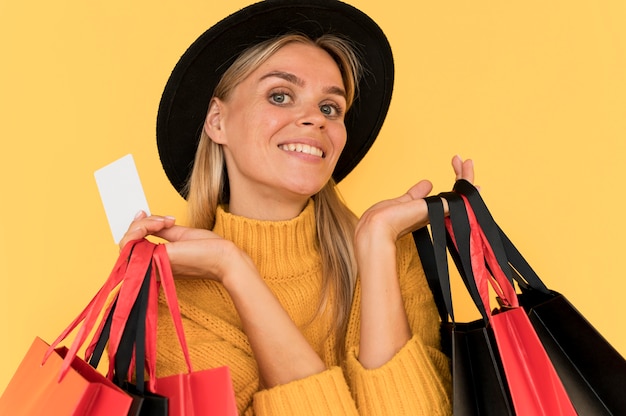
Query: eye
279,97
331,110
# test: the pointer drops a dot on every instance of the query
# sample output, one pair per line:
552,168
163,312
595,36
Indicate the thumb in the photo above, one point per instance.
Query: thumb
420,190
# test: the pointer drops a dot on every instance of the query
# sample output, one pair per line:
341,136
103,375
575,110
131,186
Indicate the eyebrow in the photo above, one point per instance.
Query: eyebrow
294,79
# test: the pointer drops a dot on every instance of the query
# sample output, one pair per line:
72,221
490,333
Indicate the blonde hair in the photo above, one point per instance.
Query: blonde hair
208,184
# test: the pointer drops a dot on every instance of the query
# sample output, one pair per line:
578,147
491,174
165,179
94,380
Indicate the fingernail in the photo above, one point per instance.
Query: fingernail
169,217
138,214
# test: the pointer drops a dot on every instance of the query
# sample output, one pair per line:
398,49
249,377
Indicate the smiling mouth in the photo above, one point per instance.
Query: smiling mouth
302,148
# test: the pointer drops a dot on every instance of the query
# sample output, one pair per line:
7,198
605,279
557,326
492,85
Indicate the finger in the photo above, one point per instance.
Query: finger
457,165
463,169
417,191
179,233
410,216
201,258
420,189
143,226
467,171
140,215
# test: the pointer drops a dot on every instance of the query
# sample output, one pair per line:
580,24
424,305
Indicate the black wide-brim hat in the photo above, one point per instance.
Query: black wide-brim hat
186,97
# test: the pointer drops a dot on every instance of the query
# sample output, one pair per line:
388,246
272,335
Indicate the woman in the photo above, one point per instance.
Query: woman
314,311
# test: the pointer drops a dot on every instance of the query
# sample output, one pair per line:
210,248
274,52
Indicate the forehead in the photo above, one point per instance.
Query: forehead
303,59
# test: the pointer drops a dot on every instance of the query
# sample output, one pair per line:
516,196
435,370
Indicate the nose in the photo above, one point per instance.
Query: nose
312,116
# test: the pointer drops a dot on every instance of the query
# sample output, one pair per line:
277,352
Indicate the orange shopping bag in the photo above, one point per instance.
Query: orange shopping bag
35,389
54,381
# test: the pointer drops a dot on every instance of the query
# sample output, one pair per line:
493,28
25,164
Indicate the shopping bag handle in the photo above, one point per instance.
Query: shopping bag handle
454,233
486,267
121,322
90,313
434,263
505,251
138,334
134,338
130,266
458,232
133,333
164,268
139,265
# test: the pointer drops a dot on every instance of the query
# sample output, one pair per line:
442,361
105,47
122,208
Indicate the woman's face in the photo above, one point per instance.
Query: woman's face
282,128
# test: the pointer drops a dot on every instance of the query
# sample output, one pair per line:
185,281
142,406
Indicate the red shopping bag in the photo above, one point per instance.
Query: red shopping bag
201,393
534,384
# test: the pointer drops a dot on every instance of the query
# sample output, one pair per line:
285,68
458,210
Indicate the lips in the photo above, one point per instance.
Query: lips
302,148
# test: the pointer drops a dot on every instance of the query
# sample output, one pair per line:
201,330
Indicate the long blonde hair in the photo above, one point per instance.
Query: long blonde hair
208,184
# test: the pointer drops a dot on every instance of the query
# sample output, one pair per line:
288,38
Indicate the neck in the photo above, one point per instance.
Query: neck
268,208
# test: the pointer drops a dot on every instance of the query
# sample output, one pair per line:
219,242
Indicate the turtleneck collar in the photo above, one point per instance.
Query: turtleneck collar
280,249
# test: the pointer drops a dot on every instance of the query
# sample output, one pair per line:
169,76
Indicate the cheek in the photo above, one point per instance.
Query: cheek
339,136
272,123
265,121
250,126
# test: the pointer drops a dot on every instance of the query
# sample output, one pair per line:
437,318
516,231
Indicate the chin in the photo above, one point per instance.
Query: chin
307,190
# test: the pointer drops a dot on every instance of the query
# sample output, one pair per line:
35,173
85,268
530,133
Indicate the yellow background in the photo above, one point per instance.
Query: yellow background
533,91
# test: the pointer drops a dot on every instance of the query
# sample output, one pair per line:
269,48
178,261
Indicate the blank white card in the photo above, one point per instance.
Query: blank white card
121,193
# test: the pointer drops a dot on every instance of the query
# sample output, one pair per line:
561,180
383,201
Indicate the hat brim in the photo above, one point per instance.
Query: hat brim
186,97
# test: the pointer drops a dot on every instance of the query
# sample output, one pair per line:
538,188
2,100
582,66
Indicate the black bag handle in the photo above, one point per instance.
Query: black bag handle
433,257
433,253
133,337
459,248
98,351
140,337
505,251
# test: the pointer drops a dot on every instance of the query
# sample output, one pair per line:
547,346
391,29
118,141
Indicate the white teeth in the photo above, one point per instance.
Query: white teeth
302,148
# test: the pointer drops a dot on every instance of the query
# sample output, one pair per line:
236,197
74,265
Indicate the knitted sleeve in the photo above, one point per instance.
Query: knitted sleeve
325,393
417,379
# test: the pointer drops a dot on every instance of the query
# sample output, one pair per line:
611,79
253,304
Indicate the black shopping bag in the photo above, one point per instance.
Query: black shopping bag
592,371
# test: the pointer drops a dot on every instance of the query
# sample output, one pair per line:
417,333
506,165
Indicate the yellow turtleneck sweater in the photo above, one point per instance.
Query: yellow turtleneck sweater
414,382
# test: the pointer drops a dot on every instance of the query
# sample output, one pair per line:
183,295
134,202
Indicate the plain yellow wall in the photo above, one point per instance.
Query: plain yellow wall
533,91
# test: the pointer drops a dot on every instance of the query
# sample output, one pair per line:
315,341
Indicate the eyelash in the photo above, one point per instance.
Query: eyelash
338,110
273,94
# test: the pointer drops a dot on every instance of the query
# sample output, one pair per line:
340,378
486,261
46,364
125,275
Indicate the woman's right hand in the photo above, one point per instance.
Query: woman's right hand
193,252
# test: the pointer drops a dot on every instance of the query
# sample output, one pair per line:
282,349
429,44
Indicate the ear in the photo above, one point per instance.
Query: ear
213,125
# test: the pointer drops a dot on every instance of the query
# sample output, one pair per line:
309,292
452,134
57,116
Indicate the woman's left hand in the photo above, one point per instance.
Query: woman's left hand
393,218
